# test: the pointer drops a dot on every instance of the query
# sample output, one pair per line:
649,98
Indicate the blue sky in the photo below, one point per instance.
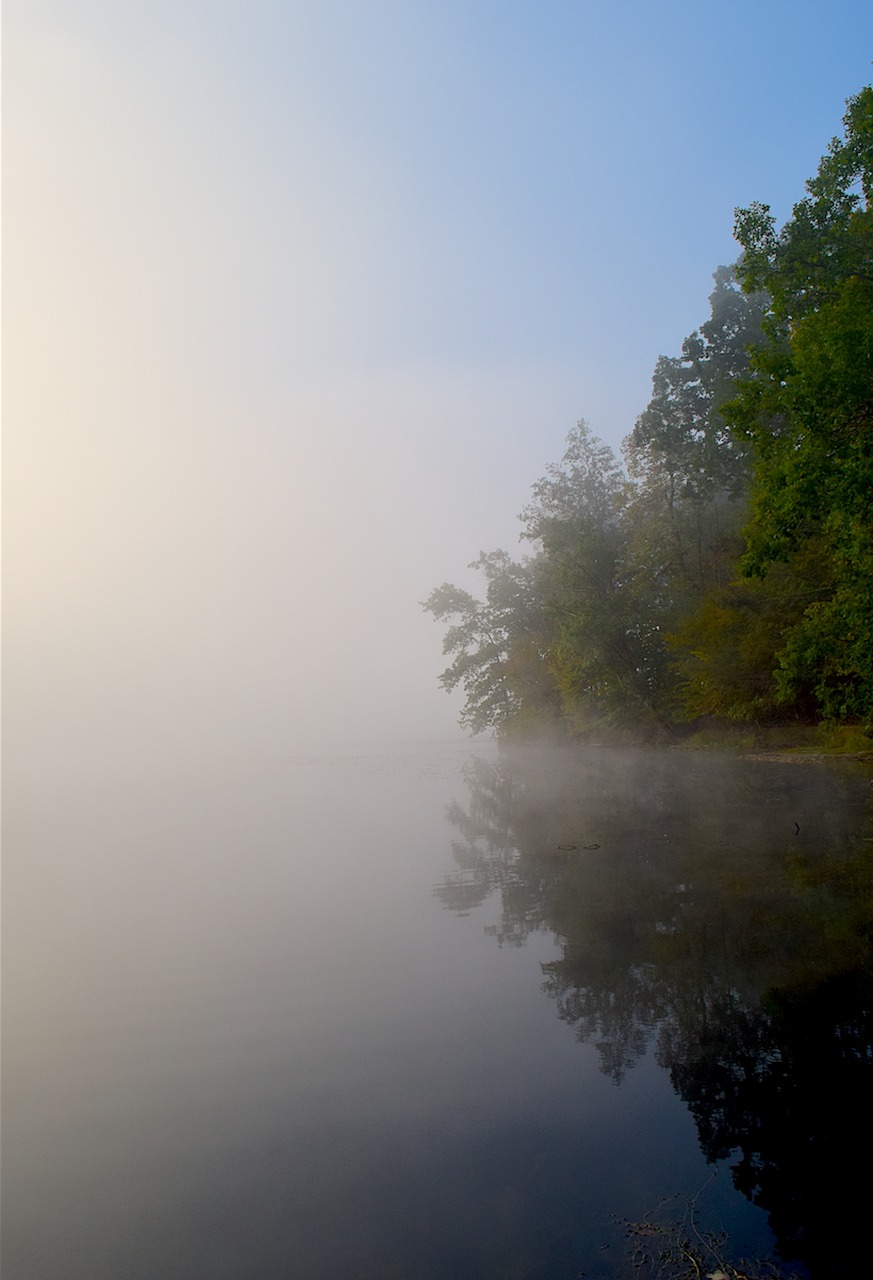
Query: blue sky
302,297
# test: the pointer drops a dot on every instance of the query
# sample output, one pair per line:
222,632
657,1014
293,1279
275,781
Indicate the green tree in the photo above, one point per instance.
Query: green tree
683,429
498,643
808,415
605,653
725,650
691,477
691,474
737,561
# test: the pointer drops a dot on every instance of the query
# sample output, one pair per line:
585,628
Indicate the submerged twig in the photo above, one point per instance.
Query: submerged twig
679,1249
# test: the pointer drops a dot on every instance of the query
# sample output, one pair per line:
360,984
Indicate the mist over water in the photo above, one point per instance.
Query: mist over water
244,1035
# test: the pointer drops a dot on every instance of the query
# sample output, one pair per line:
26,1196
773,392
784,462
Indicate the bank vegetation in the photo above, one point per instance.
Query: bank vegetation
717,579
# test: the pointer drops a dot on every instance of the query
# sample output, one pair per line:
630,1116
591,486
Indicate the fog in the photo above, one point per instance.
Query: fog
300,300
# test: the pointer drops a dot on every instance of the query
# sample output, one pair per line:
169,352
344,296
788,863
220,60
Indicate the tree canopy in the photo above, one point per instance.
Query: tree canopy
808,415
727,570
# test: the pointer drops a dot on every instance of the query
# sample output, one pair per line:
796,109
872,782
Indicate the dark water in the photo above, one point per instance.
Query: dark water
434,1012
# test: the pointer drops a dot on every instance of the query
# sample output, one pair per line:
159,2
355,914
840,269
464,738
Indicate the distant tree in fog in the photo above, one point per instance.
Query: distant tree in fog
498,661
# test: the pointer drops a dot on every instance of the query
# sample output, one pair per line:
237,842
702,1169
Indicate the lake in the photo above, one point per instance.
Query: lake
442,1011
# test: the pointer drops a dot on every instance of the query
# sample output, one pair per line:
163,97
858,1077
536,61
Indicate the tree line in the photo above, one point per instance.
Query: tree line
725,570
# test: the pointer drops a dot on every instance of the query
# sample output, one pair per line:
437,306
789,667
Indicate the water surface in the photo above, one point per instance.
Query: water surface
426,1012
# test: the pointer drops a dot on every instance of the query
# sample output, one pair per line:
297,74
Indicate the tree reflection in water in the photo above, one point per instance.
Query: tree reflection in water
722,911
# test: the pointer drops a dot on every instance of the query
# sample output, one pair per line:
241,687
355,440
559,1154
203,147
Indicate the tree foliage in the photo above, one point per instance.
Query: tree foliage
729,571
498,659
600,655
808,415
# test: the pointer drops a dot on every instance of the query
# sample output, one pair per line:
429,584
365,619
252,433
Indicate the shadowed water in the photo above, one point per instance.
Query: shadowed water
242,1037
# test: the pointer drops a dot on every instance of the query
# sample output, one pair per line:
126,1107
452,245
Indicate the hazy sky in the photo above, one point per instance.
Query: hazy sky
301,297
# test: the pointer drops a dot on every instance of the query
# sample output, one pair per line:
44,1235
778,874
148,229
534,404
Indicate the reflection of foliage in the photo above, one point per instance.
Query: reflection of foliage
489,860
723,913
789,1086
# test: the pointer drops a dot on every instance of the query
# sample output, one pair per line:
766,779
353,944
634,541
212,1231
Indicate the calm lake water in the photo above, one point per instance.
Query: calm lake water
434,1012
